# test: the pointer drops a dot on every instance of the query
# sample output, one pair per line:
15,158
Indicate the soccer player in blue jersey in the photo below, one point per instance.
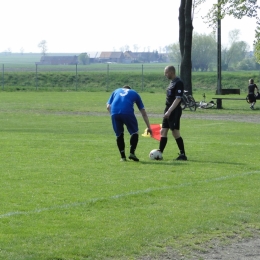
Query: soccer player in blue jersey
172,112
120,105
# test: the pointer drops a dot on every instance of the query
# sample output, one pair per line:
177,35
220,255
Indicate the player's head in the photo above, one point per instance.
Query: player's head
169,72
251,81
127,87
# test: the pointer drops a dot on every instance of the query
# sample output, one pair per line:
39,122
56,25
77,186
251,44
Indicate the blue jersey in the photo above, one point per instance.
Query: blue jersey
122,101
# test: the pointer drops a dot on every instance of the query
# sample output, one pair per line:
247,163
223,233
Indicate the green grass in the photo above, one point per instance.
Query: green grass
65,195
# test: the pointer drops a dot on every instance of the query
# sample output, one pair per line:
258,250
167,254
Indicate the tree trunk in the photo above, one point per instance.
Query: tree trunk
185,40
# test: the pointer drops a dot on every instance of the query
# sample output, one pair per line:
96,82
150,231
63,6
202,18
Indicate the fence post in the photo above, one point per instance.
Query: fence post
142,77
107,76
76,76
36,76
3,77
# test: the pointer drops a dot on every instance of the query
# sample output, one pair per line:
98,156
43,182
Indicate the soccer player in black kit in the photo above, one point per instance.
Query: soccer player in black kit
172,112
251,93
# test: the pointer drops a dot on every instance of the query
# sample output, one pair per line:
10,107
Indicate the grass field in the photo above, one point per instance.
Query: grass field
66,196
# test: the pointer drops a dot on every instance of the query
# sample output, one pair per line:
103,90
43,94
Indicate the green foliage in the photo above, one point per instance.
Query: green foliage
83,58
247,64
65,195
151,81
235,8
204,51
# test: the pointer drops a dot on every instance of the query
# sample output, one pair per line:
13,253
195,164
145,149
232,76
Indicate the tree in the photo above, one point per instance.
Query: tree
257,42
136,47
43,46
236,52
174,52
204,51
185,41
235,8
247,64
83,58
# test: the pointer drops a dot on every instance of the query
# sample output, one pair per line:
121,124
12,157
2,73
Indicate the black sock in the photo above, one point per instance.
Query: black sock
180,144
133,143
163,142
121,145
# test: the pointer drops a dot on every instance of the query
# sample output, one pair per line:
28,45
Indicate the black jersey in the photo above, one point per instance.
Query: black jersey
175,89
251,88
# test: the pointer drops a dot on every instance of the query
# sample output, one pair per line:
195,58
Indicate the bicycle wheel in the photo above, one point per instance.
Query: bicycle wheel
192,103
207,105
184,102
183,105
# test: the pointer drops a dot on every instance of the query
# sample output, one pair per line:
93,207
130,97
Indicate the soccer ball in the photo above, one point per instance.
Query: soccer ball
155,155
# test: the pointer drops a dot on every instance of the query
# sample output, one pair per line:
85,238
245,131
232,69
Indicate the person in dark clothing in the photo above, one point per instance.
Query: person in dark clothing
173,112
252,87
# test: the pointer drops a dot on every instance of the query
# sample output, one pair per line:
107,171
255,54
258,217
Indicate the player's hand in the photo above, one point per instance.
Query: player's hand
149,130
166,115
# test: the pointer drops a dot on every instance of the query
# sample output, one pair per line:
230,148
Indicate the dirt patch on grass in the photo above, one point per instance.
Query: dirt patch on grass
235,249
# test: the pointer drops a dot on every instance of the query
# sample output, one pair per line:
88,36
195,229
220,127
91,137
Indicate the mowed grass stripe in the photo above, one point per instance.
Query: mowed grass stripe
118,196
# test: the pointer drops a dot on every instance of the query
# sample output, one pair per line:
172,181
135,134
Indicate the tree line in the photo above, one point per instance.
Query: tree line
235,56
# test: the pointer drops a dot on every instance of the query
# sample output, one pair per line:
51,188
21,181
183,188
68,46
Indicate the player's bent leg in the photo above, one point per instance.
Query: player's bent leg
133,144
121,145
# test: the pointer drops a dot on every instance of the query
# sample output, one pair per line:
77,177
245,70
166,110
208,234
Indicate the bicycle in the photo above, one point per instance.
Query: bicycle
188,101
204,104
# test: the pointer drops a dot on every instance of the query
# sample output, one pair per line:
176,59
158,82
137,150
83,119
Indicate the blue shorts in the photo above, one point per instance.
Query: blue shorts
119,120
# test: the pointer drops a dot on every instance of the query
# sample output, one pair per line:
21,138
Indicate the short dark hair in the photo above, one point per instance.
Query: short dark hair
171,68
127,87
251,81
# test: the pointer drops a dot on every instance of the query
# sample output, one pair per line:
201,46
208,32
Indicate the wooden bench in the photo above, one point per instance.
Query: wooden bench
227,91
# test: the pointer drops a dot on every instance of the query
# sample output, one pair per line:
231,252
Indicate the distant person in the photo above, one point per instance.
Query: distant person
121,108
173,112
252,90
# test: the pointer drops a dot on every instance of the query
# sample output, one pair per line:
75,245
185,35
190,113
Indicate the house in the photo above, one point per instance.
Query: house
131,57
142,56
111,56
58,60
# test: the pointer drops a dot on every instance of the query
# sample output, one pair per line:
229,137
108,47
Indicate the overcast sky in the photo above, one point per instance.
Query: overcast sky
101,25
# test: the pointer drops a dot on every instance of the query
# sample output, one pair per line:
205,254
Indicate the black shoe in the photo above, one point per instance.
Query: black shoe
133,157
181,157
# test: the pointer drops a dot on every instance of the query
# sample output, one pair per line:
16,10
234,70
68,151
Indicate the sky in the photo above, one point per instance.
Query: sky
76,26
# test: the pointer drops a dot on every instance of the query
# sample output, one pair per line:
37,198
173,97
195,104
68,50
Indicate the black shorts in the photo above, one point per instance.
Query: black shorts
173,122
251,98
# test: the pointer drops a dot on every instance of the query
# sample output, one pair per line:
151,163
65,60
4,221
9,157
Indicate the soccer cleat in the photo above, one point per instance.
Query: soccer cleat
181,157
133,157
123,160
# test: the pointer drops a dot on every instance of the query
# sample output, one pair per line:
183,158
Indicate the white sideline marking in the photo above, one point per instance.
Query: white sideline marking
118,196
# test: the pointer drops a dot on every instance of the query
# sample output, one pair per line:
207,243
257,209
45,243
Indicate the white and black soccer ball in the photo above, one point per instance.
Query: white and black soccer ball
155,155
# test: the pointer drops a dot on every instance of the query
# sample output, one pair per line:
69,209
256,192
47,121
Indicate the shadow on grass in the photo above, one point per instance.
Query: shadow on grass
170,162
217,162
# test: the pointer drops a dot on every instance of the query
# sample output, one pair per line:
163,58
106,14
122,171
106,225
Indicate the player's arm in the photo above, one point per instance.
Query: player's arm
146,120
108,107
172,107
